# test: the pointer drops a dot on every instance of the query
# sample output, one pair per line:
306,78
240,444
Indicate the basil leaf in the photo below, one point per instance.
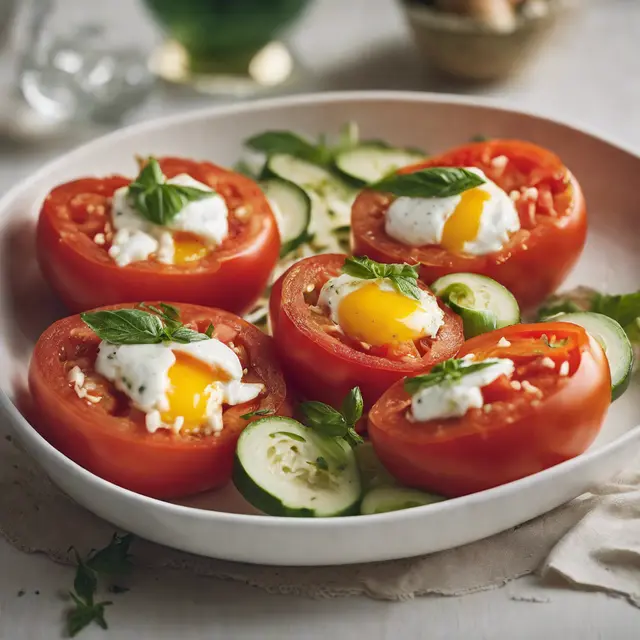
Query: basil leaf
324,419
184,335
83,615
406,286
622,308
274,142
209,331
434,182
353,437
85,583
402,276
114,559
447,372
158,201
125,326
170,311
352,406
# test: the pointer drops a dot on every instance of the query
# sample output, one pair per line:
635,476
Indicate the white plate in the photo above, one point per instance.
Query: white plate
221,524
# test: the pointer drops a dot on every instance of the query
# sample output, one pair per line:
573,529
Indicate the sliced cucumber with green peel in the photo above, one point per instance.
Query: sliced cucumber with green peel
286,469
332,189
613,340
371,161
482,303
292,210
385,499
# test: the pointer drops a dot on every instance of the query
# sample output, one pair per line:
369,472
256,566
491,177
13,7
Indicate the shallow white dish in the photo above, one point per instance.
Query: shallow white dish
221,524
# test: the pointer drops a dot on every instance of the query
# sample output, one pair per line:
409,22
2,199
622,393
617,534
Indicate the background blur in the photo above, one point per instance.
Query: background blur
69,73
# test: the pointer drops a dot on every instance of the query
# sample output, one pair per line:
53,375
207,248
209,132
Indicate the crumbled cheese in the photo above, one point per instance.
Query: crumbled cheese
178,423
153,421
530,388
81,386
564,368
516,385
531,193
514,195
310,288
503,342
500,162
242,212
99,239
548,362
469,356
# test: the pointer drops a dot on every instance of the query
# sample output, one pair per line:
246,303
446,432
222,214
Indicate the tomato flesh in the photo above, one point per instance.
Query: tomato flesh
74,234
522,433
536,259
324,364
109,437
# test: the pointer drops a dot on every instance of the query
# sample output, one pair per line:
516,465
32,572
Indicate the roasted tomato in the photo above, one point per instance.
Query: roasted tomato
550,411
75,233
105,434
322,362
535,260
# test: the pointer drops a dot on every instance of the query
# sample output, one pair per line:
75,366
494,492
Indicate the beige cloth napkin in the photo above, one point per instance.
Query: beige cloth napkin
594,542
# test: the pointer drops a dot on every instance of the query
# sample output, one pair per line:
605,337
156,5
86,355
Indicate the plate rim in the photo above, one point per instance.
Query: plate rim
23,428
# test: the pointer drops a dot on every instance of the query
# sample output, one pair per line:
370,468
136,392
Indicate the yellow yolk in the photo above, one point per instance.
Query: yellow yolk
188,248
190,382
464,223
377,317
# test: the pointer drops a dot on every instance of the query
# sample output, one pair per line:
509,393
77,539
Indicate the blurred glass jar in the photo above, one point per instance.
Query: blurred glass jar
225,46
78,64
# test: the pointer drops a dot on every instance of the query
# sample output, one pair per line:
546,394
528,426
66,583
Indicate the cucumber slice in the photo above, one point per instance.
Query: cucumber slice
336,194
285,469
372,161
613,340
372,472
482,303
384,499
292,210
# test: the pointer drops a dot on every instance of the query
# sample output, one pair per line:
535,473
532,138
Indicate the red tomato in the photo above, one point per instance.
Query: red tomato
109,438
536,259
81,272
323,363
524,432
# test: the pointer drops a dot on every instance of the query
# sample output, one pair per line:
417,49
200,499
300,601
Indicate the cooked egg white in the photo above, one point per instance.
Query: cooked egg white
197,228
181,387
454,400
477,221
374,312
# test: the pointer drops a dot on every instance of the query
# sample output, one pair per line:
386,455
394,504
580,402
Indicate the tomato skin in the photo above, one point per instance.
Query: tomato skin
537,258
462,456
321,367
118,448
231,277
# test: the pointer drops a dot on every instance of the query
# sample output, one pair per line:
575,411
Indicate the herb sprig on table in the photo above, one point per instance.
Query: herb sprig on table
112,561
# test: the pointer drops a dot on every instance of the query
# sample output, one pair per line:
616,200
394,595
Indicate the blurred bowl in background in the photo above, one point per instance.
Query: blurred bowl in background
466,48
7,12
222,46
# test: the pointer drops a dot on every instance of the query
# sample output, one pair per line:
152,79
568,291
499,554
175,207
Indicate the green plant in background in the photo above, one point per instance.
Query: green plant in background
224,32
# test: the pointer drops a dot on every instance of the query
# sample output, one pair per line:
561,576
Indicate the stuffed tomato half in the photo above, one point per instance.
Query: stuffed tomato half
154,397
506,209
517,400
341,322
182,230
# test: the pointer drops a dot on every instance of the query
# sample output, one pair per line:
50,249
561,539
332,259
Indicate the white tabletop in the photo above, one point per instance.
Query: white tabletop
589,74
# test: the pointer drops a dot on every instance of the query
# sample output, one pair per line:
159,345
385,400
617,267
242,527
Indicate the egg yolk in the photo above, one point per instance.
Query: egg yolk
464,223
190,386
188,248
377,317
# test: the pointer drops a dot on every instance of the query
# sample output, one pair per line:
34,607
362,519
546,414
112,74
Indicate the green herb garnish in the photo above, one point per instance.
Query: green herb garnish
259,412
434,182
157,200
333,423
447,372
553,342
286,142
113,560
145,325
404,277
